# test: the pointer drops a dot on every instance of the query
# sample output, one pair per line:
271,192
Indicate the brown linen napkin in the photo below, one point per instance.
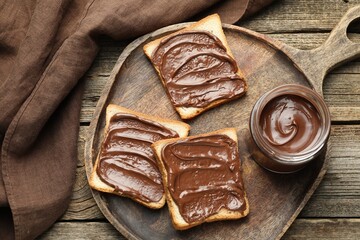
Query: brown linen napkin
45,48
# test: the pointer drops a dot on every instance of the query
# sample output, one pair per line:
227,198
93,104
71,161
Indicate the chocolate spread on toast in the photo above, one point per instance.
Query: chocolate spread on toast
197,70
204,176
127,161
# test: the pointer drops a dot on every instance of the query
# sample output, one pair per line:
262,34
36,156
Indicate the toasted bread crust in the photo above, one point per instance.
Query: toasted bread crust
96,183
177,220
213,25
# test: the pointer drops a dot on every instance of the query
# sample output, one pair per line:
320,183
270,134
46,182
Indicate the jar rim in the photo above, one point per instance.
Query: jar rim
306,93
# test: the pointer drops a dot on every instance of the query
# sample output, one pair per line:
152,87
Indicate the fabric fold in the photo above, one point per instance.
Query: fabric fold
31,57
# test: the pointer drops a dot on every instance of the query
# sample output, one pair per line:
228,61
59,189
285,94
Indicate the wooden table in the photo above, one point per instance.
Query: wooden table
334,209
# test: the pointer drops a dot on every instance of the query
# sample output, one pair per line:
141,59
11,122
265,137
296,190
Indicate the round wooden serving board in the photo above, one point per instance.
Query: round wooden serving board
275,200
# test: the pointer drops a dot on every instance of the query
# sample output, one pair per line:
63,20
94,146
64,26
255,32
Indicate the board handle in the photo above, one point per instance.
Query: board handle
336,50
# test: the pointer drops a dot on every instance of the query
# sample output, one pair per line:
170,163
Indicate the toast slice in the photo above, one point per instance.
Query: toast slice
195,187
212,93
135,163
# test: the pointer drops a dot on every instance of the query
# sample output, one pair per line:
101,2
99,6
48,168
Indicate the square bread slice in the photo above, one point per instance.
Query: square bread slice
202,177
124,149
207,70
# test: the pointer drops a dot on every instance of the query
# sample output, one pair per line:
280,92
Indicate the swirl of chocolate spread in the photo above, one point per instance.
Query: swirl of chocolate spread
204,176
197,70
290,123
127,161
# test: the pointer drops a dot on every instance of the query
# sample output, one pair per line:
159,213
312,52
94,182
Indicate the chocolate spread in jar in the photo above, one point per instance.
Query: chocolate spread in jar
204,176
127,161
290,123
197,70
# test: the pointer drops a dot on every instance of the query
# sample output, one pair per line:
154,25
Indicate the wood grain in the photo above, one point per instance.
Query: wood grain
324,229
82,230
82,205
299,16
339,193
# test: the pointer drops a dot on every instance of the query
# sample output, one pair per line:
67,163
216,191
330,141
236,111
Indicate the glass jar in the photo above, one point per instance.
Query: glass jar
267,119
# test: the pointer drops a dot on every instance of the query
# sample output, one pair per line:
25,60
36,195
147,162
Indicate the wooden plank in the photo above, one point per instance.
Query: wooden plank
82,205
345,113
324,229
337,206
82,230
300,229
337,196
299,16
307,41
